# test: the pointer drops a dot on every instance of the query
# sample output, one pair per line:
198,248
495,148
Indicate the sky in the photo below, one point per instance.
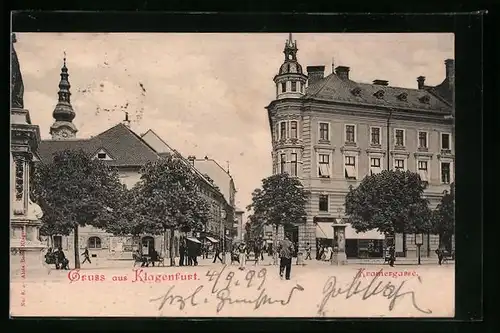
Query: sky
205,94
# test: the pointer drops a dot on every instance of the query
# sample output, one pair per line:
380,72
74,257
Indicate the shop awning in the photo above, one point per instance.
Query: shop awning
350,233
211,239
325,230
193,239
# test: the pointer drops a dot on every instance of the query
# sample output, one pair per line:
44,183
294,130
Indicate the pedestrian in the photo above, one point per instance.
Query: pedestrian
285,251
217,254
440,254
86,256
320,252
182,251
257,253
308,251
242,250
61,258
392,255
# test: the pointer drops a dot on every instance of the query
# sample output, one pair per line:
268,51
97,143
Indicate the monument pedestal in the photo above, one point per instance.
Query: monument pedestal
26,249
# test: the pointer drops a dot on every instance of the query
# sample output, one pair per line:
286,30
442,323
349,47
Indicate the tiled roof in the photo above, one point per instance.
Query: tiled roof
336,89
124,147
442,90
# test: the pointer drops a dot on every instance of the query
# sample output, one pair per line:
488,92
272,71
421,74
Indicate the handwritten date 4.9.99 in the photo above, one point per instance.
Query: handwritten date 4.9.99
225,284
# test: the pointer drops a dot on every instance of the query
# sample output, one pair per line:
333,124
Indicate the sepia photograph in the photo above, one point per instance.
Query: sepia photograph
232,175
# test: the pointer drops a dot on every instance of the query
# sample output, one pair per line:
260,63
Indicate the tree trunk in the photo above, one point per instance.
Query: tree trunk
76,249
275,254
171,248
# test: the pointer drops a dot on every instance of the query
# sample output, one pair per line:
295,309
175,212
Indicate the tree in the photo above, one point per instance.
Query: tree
280,201
129,221
443,219
254,229
168,199
75,190
391,202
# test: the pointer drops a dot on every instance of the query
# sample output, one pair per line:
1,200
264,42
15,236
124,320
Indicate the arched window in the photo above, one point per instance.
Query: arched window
94,242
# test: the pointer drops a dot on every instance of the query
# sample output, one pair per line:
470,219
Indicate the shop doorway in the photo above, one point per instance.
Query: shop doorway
148,245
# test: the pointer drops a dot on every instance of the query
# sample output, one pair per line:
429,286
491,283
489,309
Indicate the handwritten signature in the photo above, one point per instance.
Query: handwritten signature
224,285
387,290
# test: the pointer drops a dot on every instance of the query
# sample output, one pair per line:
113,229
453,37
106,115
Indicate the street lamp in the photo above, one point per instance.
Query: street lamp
419,240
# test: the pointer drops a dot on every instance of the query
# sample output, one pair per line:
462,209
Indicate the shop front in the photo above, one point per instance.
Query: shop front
358,245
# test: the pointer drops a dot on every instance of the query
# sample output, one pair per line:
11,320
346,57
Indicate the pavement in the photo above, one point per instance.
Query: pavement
317,289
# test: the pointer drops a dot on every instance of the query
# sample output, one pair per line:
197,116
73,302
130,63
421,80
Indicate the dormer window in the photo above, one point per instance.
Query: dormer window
103,155
403,97
356,91
379,94
425,99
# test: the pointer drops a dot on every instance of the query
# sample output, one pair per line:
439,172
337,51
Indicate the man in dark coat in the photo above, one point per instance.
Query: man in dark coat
182,251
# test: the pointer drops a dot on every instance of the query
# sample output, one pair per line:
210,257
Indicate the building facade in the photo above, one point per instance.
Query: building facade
113,147
238,225
331,132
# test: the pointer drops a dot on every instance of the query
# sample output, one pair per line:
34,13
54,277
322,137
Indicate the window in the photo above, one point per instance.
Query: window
422,139
282,130
283,87
282,163
293,165
375,166
423,171
375,136
324,131
445,173
350,167
350,135
294,86
293,129
399,164
94,243
57,242
400,138
324,165
101,156
445,141
323,202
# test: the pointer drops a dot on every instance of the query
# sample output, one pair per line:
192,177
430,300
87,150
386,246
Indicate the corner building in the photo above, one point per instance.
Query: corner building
331,132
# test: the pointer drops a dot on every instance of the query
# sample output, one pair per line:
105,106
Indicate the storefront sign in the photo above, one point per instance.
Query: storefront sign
419,239
320,219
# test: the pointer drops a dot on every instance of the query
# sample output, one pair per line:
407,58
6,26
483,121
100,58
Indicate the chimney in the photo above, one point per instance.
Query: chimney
421,82
342,72
126,121
450,71
315,74
191,159
381,82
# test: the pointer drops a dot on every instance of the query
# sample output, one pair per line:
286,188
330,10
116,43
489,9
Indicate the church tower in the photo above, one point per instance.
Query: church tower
63,127
290,81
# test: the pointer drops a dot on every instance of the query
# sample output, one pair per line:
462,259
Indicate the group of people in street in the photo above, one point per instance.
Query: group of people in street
57,257
188,252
